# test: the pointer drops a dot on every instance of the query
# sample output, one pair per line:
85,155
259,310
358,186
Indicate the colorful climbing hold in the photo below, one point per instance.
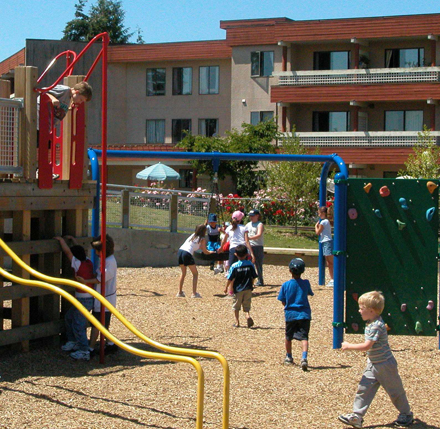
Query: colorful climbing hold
352,213
378,213
418,328
400,224
402,202
384,191
430,305
430,213
355,296
403,308
368,187
431,186
387,327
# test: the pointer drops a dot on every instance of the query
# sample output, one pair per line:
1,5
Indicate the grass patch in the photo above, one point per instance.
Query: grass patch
282,237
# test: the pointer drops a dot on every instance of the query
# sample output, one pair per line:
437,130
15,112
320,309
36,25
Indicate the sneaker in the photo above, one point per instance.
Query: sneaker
196,295
259,284
351,419
331,283
80,355
111,348
69,346
217,270
180,295
288,361
250,322
211,266
404,420
304,364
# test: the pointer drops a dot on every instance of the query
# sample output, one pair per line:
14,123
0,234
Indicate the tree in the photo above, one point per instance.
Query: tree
423,162
252,139
104,16
295,181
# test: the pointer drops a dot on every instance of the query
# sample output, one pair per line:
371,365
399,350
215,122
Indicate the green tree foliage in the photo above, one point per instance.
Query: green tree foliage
104,16
252,139
423,162
294,181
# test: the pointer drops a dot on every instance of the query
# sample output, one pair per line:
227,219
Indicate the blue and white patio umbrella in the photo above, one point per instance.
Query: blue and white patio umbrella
158,172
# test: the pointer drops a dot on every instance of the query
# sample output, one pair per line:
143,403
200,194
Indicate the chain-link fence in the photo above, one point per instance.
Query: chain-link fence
149,210
192,211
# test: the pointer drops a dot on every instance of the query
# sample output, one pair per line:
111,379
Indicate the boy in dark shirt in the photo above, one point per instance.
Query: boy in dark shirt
241,279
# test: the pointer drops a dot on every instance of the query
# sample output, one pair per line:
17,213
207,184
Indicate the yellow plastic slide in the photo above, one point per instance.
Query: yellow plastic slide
178,354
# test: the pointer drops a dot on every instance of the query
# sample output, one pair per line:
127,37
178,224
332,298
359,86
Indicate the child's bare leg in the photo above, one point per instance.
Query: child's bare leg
237,319
288,346
195,274
329,260
182,277
305,345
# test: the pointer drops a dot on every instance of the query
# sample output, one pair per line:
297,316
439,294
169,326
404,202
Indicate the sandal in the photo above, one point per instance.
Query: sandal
235,325
250,322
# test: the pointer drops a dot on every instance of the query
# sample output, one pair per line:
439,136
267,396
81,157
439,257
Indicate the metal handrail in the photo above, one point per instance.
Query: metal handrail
67,53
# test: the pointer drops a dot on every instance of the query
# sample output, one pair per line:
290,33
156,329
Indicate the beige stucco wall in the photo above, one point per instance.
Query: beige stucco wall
130,79
255,90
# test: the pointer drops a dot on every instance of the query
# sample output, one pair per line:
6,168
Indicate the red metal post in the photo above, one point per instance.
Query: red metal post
105,42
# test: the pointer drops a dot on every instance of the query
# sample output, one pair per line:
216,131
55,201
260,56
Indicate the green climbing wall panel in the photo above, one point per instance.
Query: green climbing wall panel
393,247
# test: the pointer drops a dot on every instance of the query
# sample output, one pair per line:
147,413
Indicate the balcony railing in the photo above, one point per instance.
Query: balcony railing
9,136
361,138
359,76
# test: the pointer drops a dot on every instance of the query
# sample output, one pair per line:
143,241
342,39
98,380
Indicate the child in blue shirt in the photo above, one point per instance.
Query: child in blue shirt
294,296
241,277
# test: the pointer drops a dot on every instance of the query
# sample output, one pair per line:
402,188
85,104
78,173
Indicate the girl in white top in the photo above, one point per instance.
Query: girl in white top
185,257
235,232
323,228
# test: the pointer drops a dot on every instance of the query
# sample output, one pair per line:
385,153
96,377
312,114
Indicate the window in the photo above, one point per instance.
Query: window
404,57
179,129
404,120
182,81
257,117
155,131
331,121
208,127
186,178
331,60
156,82
261,63
209,79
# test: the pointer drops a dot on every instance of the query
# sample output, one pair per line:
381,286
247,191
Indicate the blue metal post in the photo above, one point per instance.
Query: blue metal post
339,252
322,202
94,163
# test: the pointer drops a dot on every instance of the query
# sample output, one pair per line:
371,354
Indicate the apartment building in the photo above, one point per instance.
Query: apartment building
361,87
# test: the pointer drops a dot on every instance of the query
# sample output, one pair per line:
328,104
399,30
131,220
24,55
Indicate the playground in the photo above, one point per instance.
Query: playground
45,388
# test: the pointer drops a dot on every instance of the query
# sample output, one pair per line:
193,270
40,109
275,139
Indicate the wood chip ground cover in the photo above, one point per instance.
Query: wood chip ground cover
46,389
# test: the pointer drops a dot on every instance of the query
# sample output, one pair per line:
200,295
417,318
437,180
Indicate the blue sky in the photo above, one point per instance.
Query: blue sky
174,20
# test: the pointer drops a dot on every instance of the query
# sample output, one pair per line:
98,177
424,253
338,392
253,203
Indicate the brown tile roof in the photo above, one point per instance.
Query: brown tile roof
18,59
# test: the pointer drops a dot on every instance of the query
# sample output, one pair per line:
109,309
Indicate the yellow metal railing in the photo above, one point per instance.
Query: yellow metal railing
174,350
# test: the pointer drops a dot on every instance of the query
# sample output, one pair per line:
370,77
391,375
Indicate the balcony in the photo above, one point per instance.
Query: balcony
361,138
358,76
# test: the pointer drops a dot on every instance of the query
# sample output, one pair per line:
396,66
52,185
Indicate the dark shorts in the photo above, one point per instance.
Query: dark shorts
298,330
108,317
185,258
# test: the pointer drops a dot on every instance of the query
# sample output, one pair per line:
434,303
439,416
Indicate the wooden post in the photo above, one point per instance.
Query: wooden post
67,138
52,262
5,88
125,197
21,231
2,229
173,213
25,82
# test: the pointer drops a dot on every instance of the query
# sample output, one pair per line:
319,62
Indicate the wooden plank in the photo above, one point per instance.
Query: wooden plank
30,112
47,203
21,230
32,332
40,247
20,92
60,189
18,291
5,88
2,229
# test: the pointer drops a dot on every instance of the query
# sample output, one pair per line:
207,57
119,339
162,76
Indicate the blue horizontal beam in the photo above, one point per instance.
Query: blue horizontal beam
334,158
